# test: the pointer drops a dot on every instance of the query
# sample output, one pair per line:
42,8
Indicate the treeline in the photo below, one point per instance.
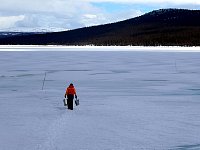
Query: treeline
167,27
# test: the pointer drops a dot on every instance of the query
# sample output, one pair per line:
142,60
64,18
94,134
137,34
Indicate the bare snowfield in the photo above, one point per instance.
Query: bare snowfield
97,48
146,98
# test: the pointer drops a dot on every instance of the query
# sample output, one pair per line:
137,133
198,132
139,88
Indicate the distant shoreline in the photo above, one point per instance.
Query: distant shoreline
98,48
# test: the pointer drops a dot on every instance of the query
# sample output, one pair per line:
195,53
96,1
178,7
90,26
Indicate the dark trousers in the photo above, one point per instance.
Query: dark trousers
70,101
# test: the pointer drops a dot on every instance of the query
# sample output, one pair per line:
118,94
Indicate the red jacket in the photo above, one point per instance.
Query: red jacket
70,90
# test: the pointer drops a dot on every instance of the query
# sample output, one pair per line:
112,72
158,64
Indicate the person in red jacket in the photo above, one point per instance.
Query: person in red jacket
70,92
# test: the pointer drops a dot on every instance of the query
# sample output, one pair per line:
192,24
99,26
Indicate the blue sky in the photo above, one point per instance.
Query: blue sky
56,15
115,7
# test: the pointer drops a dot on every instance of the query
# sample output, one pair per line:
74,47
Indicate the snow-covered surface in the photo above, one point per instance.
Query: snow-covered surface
128,101
97,48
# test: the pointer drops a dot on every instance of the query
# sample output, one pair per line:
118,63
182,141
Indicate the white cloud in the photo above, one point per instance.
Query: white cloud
90,16
51,13
66,14
9,21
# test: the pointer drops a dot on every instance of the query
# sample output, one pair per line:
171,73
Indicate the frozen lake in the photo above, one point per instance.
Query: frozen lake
128,101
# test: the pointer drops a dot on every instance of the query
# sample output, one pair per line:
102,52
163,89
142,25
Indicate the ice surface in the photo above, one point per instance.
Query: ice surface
128,100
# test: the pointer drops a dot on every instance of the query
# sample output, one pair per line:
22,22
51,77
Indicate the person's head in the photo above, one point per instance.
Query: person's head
71,84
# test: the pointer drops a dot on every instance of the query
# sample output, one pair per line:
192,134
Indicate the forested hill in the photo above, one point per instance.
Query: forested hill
167,27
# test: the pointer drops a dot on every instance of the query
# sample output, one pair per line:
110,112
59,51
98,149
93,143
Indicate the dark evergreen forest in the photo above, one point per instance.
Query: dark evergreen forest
166,27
